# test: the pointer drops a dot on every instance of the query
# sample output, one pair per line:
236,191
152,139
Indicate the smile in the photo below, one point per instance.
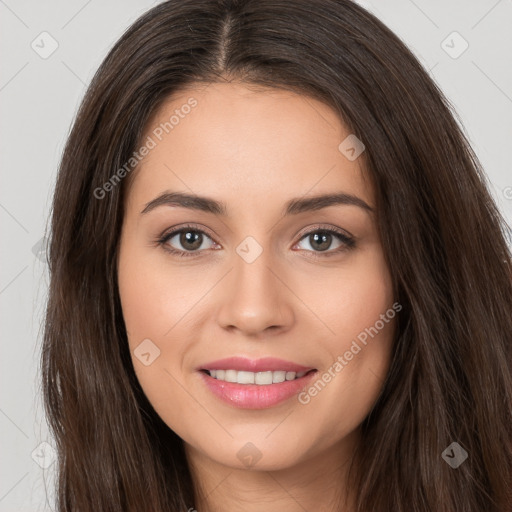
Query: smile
258,378
255,384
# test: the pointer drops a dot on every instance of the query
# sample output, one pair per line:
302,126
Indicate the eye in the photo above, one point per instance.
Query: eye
190,238
321,239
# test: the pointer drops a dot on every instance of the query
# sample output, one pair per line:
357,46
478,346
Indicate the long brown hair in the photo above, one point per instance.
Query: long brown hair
444,239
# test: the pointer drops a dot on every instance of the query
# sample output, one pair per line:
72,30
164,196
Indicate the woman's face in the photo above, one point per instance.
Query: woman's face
260,277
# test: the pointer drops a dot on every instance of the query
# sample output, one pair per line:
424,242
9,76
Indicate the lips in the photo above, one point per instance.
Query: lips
255,384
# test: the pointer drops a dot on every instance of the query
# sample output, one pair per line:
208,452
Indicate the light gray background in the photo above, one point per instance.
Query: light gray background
39,98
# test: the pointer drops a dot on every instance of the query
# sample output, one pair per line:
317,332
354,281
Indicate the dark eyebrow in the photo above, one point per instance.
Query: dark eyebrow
293,207
318,202
191,201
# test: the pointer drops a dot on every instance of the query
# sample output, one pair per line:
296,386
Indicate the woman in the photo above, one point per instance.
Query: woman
278,280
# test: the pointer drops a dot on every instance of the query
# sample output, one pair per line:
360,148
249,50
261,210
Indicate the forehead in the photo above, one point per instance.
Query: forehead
231,140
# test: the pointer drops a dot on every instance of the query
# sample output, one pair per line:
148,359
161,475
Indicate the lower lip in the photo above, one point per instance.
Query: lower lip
254,396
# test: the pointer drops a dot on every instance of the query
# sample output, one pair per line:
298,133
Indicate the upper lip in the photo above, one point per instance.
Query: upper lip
255,365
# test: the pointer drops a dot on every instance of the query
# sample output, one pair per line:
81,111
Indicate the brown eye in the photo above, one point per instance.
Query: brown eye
321,240
185,241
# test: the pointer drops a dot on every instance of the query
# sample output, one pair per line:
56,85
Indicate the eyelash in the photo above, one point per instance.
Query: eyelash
348,242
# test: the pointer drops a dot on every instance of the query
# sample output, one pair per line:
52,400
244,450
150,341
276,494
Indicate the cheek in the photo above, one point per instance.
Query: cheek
155,296
352,298
361,317
150,308
154,310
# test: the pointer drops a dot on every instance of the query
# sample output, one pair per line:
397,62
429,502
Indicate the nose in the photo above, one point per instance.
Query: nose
255,298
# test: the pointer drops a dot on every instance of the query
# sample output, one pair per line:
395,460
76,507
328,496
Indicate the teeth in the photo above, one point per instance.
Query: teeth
230,376
261,378
245,377
278,376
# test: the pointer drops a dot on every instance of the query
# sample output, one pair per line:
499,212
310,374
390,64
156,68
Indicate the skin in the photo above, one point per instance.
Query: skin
255,149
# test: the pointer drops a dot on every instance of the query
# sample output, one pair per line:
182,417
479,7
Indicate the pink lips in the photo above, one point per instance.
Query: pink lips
253,396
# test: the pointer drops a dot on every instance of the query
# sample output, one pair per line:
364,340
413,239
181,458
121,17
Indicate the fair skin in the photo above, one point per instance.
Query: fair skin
254,150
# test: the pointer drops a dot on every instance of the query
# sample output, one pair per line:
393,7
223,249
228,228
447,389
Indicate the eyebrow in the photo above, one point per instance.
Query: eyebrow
292,207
